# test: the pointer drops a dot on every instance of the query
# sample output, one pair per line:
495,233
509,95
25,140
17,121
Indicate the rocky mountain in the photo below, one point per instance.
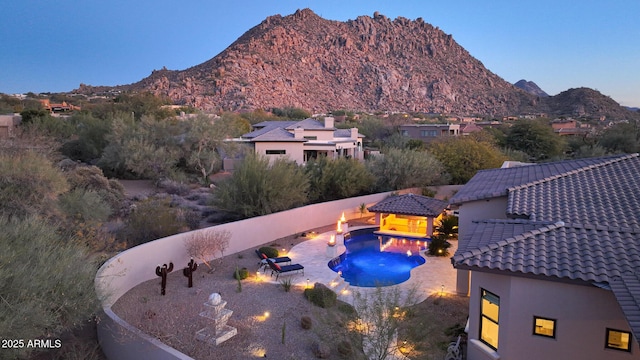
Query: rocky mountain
367,64
531,88
585,102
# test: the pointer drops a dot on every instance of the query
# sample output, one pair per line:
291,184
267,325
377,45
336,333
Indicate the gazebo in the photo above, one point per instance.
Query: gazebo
408,215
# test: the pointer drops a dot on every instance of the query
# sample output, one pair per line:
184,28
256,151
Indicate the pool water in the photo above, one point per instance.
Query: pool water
365,264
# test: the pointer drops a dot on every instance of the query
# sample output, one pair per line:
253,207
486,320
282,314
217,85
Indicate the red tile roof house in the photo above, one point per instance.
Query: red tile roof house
550,257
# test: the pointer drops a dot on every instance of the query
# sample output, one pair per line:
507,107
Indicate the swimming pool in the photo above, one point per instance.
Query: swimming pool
378,260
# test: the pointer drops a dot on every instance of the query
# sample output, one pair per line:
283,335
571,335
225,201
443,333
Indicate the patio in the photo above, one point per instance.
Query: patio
436,275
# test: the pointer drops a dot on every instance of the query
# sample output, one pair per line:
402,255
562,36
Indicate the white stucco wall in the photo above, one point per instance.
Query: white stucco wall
293,149
494,208
583,314
119,340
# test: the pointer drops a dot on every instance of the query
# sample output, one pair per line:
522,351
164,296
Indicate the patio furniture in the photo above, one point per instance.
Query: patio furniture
263,259
277,269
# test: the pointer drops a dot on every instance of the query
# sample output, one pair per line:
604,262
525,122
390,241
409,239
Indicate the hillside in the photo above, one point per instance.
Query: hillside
367,64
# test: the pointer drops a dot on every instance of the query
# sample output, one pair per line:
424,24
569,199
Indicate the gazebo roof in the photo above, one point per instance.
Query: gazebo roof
410,204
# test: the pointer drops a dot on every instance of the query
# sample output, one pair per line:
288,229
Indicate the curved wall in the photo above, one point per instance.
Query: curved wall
120,340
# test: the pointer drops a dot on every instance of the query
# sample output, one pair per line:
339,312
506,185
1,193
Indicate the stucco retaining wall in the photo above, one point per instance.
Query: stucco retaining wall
120,340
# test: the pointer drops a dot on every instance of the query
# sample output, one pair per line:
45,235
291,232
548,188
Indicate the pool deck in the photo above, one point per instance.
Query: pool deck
432,277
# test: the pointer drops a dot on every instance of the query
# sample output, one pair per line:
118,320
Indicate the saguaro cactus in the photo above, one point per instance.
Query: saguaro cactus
188,271
162,271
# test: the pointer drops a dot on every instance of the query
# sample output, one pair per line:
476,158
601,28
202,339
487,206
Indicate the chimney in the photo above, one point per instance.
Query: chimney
354,133
328,122
298,133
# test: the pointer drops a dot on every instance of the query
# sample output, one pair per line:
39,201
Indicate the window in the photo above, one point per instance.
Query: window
544,327
428,133
489,316
276,152
618,340
404,132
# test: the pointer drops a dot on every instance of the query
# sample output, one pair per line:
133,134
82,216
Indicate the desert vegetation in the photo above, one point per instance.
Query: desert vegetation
57,176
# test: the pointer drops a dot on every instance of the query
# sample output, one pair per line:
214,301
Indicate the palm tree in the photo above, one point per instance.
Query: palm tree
448,227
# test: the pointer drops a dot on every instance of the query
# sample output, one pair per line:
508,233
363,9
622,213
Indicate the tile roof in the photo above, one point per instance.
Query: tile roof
626,289
495,182
589,253
308,124
577,220
266,126
603,191
277,134
410,204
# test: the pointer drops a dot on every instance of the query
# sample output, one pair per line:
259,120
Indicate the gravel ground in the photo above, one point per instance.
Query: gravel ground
174,318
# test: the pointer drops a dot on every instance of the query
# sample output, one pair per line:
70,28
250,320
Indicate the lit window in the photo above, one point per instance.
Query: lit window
618,339
544,327
276,152
489,311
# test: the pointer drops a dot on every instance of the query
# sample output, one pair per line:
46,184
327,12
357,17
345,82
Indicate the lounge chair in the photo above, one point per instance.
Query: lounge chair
277,269
263,259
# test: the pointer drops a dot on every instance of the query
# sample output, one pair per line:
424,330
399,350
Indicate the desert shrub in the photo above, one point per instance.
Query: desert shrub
306,322
286,284
206,244
347,309
270,251
152,219
29,184
174,187
320,295
428,192
320,350
190,217
241,274
47,282
259,186
345,349
85,205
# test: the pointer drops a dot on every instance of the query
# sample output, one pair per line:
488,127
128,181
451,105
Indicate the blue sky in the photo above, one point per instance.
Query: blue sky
53,46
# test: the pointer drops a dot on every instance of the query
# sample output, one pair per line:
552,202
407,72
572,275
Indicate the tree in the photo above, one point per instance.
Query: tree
536,138
259,188
91,137
332,179
621,138
148,148
380,314
206,136
47,282
462,157
400,169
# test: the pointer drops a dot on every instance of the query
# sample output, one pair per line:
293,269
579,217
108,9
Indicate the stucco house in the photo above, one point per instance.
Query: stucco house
429,132
550,257
301,140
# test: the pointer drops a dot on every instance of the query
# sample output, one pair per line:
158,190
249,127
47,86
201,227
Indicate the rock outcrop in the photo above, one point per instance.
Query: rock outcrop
367,64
